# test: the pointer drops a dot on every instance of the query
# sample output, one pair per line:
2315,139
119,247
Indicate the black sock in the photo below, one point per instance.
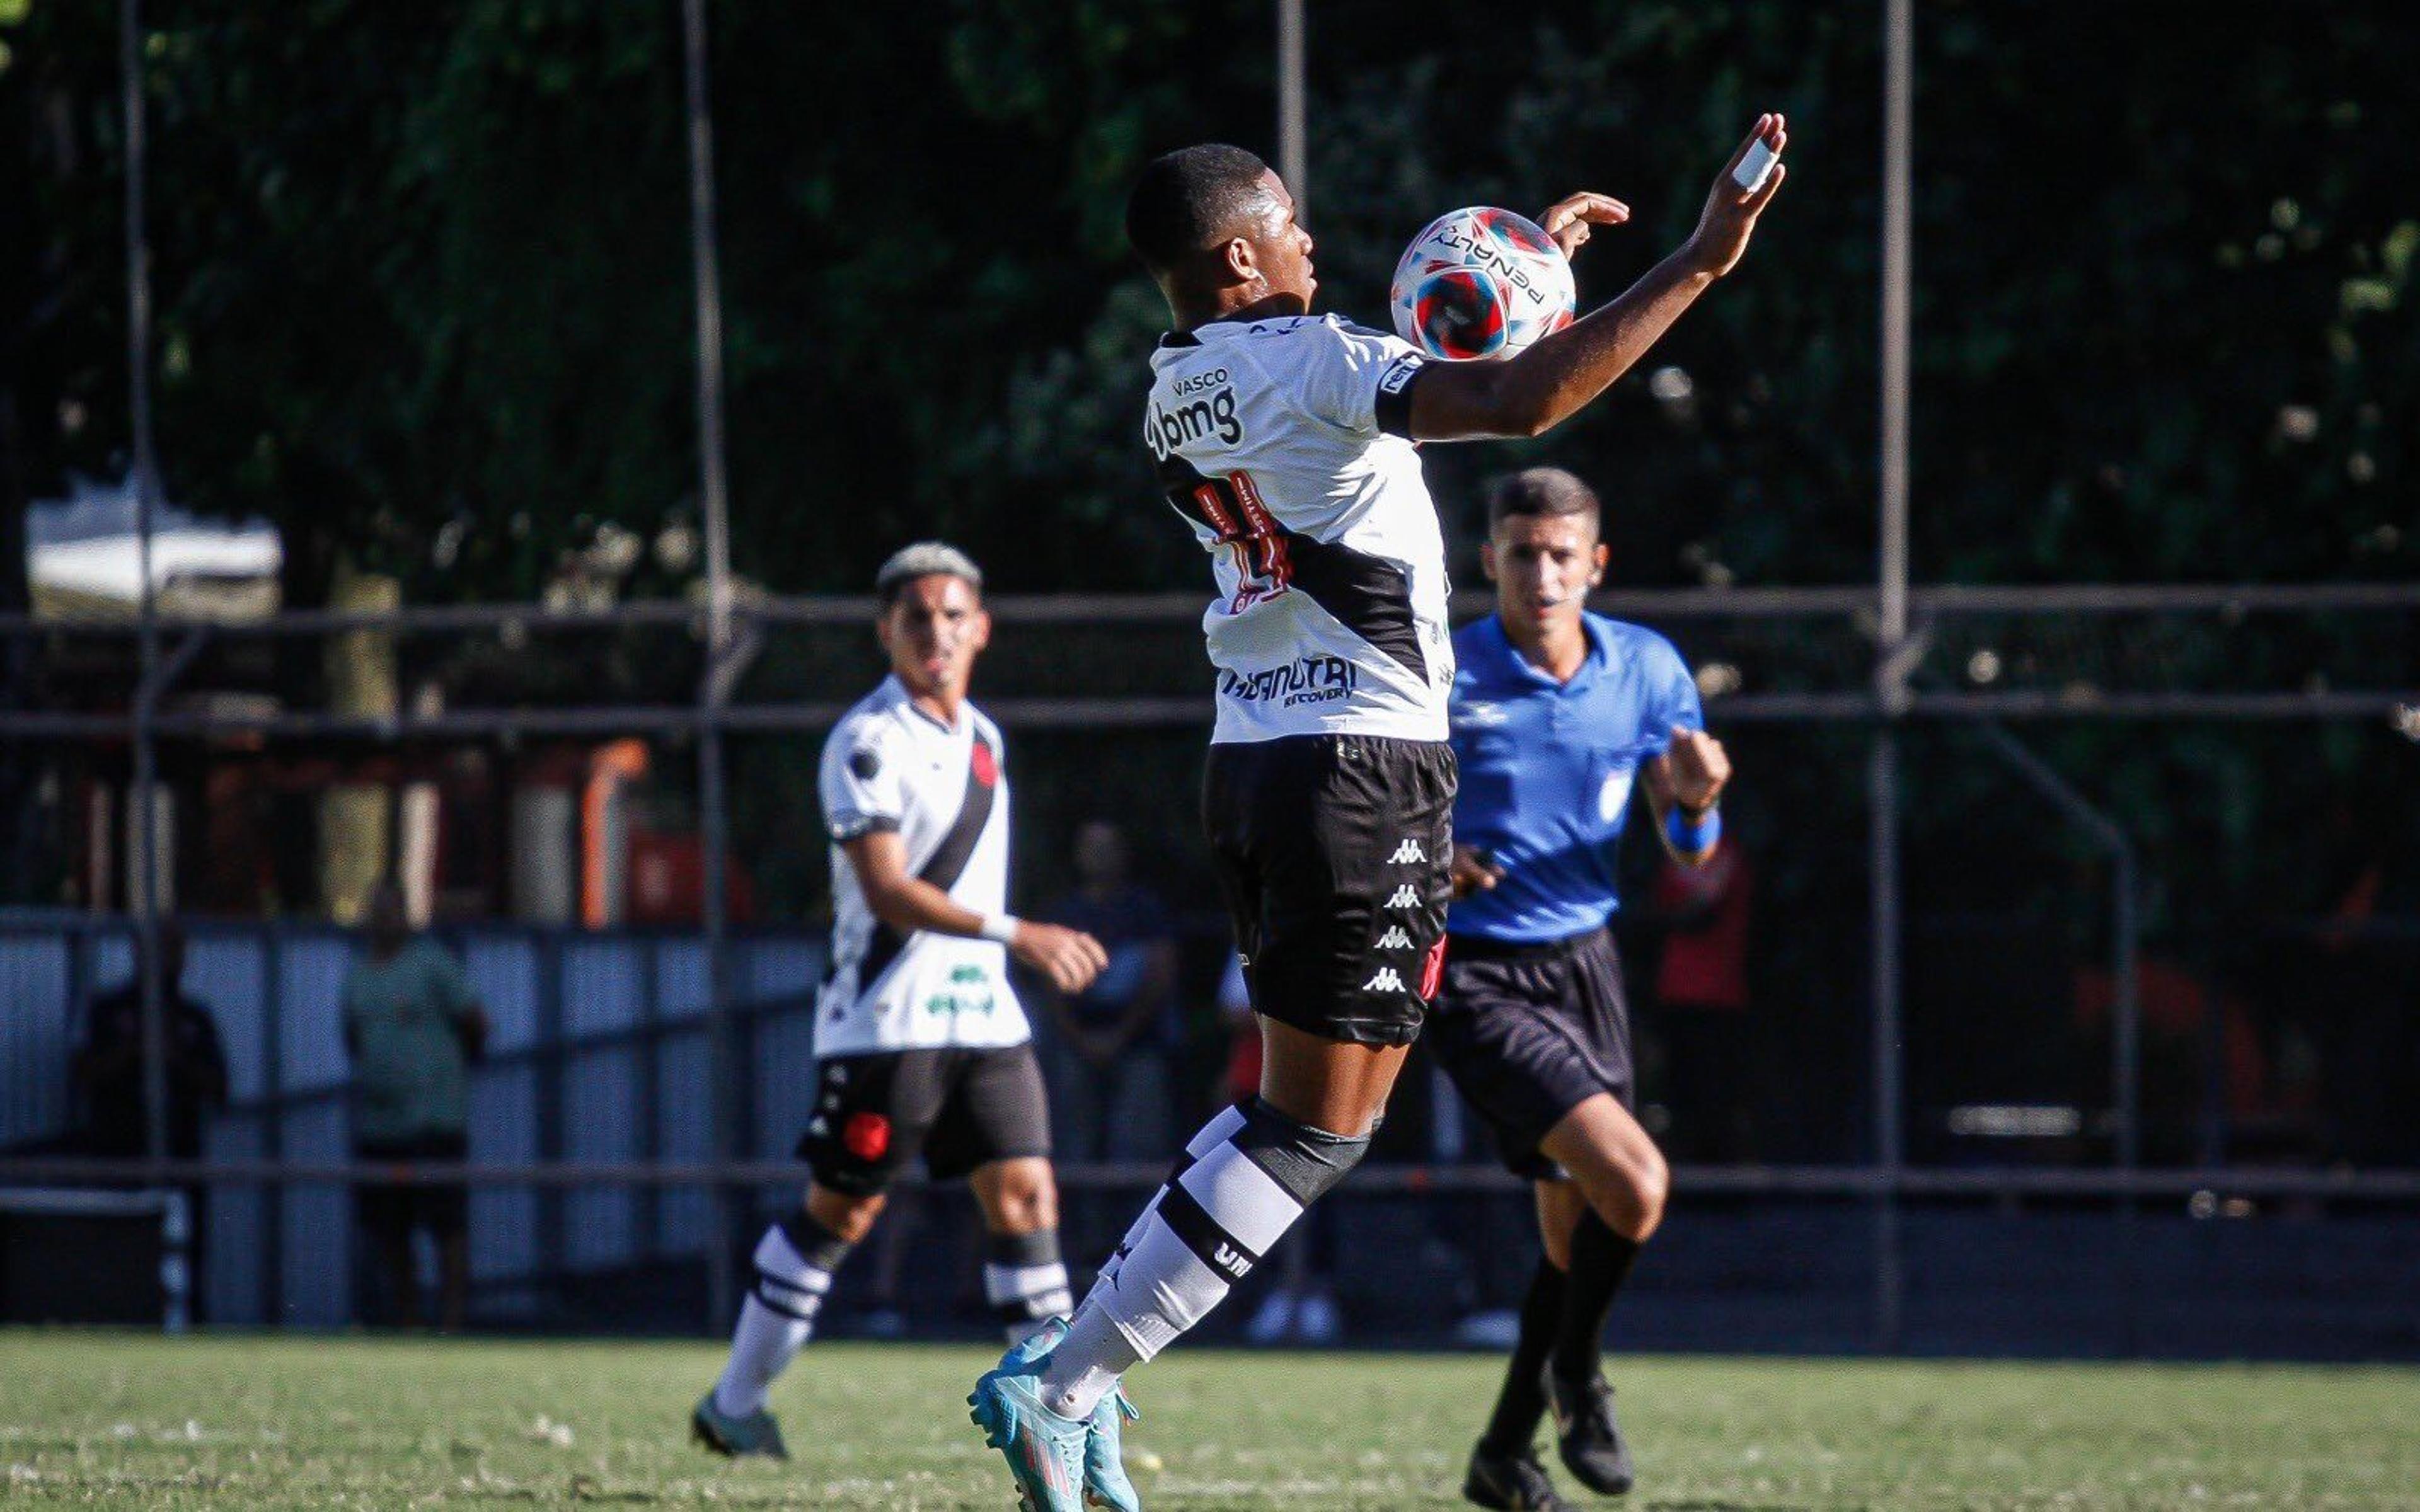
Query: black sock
1515,1425
1601,1261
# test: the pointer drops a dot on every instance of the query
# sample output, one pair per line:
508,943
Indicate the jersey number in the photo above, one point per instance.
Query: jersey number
1256,542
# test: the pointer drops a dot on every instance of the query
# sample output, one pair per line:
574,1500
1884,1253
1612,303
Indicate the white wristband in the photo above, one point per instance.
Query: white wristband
1000,927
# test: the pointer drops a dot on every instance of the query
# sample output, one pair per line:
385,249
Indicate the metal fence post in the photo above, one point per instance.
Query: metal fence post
1893,656
721,1279
1293,164
272,1089
143,893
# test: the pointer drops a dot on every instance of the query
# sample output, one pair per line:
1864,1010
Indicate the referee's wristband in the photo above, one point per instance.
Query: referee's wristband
1691,837
1001,928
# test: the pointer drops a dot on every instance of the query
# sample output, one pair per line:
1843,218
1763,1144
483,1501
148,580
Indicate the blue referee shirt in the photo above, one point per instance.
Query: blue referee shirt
1547,769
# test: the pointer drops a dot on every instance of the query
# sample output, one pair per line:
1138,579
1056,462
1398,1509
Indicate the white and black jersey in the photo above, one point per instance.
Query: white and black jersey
890,766
1284,443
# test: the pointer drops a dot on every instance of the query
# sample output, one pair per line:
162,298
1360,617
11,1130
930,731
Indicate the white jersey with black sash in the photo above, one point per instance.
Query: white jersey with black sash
1284,443
890,766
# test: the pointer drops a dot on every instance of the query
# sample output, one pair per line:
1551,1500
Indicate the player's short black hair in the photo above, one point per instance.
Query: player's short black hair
1549,491
1189,200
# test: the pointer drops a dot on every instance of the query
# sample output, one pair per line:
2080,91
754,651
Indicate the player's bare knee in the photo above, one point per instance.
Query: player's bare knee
847,1216
1651,1181
1023,1198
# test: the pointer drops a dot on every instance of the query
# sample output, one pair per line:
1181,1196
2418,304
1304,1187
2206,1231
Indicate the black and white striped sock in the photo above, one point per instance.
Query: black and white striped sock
1221,1128
1025,1281
795,1261
1206,1231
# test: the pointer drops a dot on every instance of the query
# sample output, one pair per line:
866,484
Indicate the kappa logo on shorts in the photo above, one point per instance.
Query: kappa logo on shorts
1395,939
1385,981
1405,897
1406,853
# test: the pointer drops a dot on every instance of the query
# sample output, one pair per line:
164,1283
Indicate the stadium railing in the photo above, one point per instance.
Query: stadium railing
1775,656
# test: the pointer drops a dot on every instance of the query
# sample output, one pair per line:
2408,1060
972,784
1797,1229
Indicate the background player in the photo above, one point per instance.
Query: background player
1285,440
1558,713
920,1044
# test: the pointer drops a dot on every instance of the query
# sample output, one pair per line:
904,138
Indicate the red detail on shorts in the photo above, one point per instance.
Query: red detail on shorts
987,765
1432,969
868,1134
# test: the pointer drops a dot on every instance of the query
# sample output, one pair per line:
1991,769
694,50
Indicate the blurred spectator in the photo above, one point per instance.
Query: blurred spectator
1242,1078
108,1066
1701,999
2179,1040
1109,1049
2358,996
413,1028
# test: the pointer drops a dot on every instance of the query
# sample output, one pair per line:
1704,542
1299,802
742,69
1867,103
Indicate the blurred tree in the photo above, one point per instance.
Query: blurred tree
424,295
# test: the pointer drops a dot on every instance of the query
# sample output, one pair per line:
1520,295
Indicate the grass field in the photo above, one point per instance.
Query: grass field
122,1420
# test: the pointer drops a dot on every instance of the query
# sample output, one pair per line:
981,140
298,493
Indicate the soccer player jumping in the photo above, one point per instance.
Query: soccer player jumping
1285,440
1558,716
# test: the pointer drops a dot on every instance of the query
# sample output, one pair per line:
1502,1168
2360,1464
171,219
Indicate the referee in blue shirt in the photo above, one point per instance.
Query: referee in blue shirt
1558,716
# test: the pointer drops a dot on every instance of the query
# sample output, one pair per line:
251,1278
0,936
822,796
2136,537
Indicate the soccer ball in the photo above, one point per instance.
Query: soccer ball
1480,283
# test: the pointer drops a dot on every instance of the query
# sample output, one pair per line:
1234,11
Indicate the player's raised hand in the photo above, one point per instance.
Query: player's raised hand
1731,205
1567,220
1472,871
1069,957
1698,769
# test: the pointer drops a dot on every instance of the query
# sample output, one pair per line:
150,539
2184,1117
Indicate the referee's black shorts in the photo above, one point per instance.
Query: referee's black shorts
1530,1033
1333,853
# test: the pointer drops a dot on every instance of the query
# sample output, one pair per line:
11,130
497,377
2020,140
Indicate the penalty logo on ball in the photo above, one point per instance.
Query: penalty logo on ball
1480,282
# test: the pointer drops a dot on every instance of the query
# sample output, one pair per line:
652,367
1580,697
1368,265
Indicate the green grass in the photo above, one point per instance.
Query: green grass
120,1420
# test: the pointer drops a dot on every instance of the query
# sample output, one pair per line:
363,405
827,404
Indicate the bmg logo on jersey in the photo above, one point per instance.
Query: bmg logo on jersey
1169,429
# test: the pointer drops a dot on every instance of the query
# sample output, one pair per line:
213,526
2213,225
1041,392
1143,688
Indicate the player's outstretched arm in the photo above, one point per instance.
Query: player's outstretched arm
1555,379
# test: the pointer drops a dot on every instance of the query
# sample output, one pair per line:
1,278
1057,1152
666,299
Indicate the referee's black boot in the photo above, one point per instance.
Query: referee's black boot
1511,1482
1587,1434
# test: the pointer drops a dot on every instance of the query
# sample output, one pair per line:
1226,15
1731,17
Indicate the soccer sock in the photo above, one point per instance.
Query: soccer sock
1513,1427
1601,1261
1206,1231
1220,1128
1025,1281
795,1261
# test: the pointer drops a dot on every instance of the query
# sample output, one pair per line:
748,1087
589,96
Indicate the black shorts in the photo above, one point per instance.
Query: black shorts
959,1108
1333,853
1529,1033
390,1209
